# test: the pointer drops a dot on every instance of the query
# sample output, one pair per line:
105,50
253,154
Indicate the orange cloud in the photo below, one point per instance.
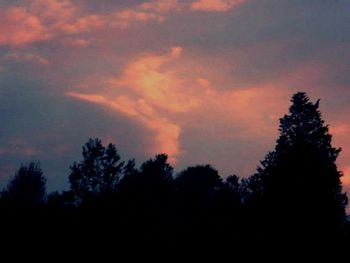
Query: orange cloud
82,24
125,18
215,5
19,27
173,94
161,6
166,133
151,95
154,91
41,20
79,42
159,88
64,17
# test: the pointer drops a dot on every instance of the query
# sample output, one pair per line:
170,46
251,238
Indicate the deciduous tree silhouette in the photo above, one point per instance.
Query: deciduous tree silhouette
98,174
28,187
149,186
296,192
198,185
199,189
145,197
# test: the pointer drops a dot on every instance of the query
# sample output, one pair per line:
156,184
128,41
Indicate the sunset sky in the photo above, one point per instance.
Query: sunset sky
205,81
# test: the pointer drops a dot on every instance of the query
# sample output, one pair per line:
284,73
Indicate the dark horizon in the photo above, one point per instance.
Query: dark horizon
203,81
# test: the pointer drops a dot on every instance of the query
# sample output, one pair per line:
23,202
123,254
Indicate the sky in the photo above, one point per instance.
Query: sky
204,81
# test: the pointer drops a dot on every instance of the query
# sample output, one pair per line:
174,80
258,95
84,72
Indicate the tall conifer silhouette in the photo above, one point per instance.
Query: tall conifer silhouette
297,190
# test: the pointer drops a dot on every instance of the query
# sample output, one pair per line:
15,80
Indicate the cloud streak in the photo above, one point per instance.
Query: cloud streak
142,93
153,91
215,5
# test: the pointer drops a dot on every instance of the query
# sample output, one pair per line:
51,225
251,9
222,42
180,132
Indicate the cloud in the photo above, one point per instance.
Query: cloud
20,27
65,17
160,88
42,20
153,91
216,5
147,93
128,17
79,42
161,6
28,57
166,133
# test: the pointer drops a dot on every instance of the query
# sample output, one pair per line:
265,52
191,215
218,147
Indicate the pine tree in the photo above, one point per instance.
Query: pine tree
297,189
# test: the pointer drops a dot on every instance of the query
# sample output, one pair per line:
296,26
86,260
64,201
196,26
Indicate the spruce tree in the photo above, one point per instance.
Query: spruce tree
297,189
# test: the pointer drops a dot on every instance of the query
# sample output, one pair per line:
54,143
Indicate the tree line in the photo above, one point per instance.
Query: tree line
294,199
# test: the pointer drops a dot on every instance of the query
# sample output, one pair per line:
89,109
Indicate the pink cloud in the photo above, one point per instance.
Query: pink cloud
65,17
154,91
79,42
128,17
41,20
19,27
29,57
149,94
166,133
161,6
215,5
52,12
82,24
160,88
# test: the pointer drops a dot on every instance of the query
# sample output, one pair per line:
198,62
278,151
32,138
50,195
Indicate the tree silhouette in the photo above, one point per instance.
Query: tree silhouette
28,187
149,186
296,191
145,196
98,174
198,184
232,194
199,195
